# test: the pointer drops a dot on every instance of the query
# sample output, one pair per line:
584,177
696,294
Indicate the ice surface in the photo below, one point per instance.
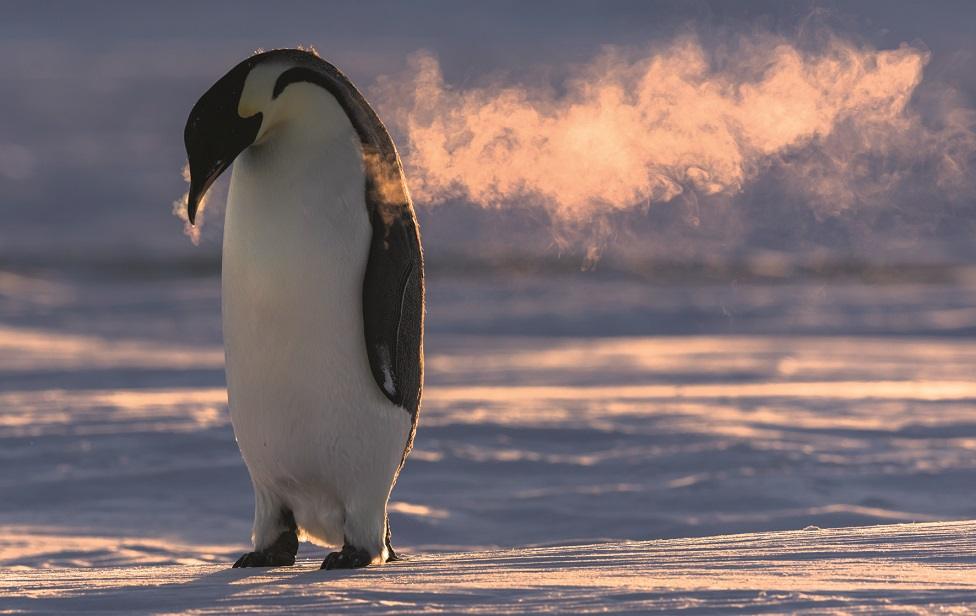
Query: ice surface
116,451
918,568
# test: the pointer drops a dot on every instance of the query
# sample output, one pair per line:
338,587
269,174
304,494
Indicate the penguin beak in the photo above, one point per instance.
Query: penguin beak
215,134
199,183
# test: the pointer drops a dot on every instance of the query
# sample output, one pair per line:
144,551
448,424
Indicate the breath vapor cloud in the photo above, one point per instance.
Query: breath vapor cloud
630,130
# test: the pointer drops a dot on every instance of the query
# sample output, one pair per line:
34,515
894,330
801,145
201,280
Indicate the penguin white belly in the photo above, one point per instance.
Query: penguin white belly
318,436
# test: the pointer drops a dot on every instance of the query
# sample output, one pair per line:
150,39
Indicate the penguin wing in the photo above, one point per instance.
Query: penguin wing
393,302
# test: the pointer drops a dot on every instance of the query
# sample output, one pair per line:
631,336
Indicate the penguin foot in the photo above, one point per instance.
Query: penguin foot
281,553
265,558
348,558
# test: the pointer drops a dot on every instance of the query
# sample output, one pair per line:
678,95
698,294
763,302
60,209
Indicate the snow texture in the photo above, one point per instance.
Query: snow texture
902,568
550,472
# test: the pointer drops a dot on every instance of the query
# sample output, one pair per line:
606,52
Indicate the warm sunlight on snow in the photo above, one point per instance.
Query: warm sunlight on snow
868,569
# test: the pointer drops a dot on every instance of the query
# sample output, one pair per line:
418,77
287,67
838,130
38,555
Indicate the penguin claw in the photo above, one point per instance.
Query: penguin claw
348,558
265,559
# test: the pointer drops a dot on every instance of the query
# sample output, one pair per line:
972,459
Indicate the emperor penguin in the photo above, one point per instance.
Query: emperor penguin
322,301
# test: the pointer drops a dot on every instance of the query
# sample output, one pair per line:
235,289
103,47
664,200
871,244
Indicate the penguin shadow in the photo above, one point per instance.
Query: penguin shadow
307,571
258,584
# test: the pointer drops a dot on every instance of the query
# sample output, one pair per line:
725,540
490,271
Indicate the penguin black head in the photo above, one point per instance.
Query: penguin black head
216,133
244,105
227,118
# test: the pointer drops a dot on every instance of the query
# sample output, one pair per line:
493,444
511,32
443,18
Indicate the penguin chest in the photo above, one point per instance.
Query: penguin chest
296,244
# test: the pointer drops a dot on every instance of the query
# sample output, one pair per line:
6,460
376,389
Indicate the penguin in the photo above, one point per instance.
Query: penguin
322,298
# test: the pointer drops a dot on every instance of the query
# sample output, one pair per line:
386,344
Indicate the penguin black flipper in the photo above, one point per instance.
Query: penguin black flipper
393,305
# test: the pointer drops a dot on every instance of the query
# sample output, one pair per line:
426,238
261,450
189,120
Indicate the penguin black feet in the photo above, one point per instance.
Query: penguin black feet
265,558
281,553
348,558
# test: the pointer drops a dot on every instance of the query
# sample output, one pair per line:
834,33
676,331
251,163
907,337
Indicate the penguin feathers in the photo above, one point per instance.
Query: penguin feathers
323,301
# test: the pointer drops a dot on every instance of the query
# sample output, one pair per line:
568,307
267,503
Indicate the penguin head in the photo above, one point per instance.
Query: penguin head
258,95
215,133
241,109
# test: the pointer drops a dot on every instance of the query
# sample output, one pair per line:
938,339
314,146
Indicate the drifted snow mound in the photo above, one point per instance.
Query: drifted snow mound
903,567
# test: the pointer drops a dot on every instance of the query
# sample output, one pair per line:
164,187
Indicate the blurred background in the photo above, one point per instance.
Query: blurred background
732,290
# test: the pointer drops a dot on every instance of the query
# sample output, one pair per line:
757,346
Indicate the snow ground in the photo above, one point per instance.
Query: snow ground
914,568
755,409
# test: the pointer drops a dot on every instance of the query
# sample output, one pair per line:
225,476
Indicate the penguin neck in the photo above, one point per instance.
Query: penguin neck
310,157
308,120
301,188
